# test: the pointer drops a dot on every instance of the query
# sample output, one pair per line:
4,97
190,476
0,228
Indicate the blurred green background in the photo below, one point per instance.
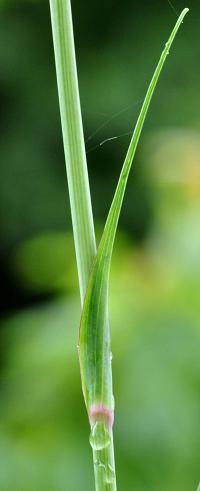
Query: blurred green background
155,279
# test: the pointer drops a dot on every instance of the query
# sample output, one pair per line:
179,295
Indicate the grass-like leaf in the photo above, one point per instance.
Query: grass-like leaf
94,343
93,268
74,147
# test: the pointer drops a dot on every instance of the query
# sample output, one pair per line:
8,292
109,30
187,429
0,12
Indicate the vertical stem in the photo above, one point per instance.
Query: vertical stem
74,147
80,201
104,468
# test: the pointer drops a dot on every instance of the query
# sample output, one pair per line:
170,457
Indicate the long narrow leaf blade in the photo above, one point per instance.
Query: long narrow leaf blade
94,345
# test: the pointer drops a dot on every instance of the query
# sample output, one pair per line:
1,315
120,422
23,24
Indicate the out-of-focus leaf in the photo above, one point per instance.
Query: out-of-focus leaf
45,264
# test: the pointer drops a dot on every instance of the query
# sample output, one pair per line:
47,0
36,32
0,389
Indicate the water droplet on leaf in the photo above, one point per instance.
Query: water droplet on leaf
100,464
99,436
113,402
108,471
110,474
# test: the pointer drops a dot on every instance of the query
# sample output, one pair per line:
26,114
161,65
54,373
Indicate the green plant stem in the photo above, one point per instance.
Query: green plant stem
74,147
80,201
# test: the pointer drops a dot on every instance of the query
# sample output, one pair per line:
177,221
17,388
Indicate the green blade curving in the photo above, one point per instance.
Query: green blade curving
94,342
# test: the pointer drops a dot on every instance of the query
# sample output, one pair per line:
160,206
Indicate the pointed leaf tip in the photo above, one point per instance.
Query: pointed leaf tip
94,352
